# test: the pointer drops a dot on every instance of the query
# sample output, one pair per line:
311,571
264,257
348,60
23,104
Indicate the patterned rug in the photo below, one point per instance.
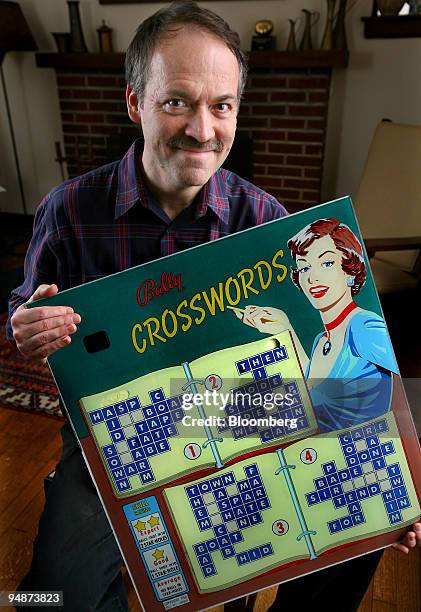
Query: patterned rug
24,385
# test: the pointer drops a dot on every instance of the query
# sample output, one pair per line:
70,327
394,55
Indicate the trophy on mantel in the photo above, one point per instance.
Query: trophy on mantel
263,40
105,38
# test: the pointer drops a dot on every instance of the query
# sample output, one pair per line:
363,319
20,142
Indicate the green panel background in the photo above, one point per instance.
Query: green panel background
110,304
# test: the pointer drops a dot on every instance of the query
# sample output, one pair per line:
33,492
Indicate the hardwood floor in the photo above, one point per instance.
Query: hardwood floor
30,448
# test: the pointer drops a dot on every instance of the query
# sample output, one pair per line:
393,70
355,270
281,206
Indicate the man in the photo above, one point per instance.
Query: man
185,75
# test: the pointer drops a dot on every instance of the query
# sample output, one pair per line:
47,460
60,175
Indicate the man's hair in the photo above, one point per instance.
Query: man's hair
168,21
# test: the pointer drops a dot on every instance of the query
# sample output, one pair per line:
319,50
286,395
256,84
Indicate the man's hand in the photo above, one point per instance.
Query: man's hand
39,332
411,539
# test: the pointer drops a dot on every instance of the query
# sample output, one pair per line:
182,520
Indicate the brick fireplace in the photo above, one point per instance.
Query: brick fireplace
284,112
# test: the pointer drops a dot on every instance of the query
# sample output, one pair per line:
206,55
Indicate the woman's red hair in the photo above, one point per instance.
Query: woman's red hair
345,241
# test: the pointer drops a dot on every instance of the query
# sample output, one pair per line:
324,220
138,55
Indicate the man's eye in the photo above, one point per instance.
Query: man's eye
328,264
175,104
223,107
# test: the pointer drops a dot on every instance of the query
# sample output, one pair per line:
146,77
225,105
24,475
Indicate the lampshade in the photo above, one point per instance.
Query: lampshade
388,204
15,34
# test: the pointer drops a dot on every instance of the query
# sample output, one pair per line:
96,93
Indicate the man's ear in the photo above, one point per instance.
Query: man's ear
132,105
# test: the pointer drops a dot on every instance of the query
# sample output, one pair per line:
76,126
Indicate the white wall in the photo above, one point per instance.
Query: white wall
34,109
382,80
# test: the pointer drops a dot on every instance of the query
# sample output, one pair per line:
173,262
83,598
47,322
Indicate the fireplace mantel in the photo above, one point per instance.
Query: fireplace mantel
257,60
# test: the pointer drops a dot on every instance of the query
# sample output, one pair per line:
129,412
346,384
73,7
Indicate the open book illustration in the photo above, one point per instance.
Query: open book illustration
295,503
137,424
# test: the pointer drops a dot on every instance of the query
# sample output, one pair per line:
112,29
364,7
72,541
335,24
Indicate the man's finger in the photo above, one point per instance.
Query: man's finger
46,338
410,540
48,349
52,324
30,315
401,548
43,291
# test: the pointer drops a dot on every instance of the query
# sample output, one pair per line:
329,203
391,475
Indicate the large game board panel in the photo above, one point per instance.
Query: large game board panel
110,307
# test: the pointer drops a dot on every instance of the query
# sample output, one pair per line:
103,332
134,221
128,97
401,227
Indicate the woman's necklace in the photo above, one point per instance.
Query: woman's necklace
329,326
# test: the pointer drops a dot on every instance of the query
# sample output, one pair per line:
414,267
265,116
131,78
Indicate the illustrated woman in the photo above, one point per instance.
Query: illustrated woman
349,371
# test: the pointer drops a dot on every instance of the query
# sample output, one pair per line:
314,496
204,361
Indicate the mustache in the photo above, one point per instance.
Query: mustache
187,142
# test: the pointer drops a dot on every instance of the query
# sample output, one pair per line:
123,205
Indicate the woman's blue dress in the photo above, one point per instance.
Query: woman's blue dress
359,386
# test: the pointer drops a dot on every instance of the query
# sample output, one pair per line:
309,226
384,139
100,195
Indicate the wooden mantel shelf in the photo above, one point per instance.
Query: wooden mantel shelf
299,59
257,60
81,61
392,26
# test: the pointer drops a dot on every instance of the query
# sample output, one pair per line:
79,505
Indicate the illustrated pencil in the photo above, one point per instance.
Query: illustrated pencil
240,310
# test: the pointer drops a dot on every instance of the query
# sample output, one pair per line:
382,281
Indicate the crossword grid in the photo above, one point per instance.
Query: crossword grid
136,434
226,506
367,475
255,366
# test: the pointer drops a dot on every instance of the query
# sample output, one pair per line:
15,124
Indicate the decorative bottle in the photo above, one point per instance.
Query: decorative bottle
339,31
327,39
77,40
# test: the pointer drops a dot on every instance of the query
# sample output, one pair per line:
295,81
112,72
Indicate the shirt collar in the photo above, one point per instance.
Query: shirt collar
131,188
213,195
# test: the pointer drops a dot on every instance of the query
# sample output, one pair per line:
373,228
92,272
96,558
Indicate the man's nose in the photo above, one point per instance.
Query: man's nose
200,125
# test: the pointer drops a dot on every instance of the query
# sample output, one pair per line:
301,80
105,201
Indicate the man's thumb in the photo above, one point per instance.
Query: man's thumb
43,291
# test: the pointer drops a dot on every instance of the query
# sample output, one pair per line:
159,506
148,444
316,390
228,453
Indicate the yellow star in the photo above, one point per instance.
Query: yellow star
154,520
140,526
158,554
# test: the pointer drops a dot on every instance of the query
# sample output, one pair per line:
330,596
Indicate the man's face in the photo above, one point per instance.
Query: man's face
189,111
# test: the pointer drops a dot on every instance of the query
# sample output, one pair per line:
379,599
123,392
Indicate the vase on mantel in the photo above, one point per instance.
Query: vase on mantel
310,19
339,30
292,42
327,38
77,40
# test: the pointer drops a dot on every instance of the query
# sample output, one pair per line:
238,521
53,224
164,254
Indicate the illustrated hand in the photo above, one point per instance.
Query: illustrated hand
39,332
265,319
412,539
